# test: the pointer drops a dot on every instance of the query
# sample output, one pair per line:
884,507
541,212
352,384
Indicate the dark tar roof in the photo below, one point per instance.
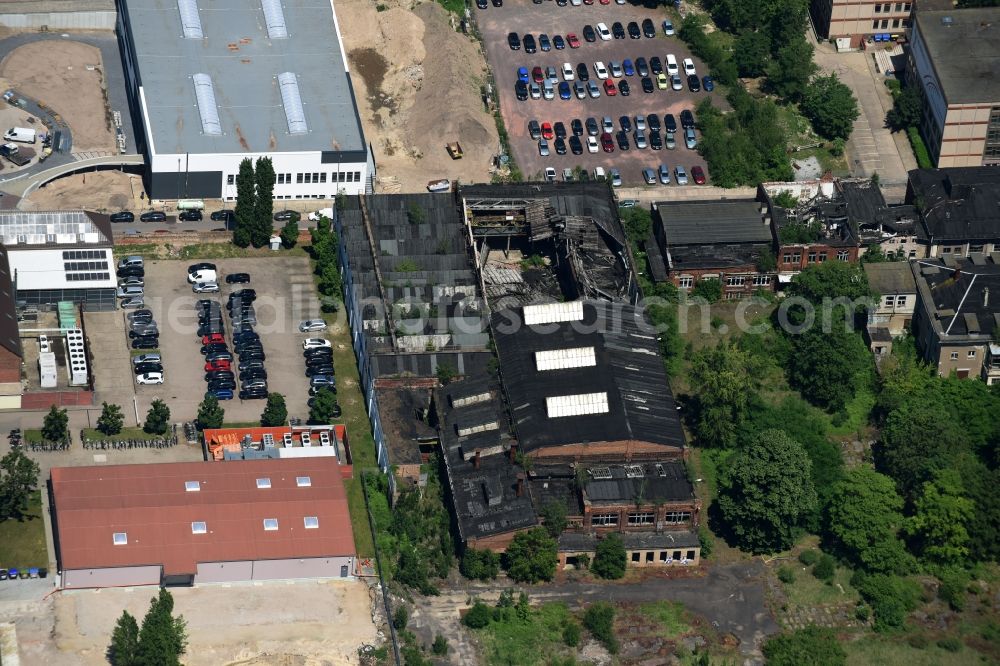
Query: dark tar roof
628,368
658,481
399,410
958,204
964,51
961,289
702,222
863,199
580,542
891,277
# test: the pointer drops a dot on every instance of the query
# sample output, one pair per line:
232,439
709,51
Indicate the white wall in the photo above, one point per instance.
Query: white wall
110,577
42,268
316,567
224,572
96,20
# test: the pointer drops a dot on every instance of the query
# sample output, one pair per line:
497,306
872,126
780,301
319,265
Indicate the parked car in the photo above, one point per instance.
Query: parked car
668,27
224,215
322,380
529,44
133,302
708,83
664,173
153,216
222,384
129,292
287,215
513,41
221,394
123,216
649,176
680,176
146,368
618,30
689,139
219,355
149,378
203,275
602,30
687,119
214,347
688,64
131,281
141,315
698,175
694,85
648,29
146,358
312,325
205,287
633,30
255,394
220,364
190,216
238,278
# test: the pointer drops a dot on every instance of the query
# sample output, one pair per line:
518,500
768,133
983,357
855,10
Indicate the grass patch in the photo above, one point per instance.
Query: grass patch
707,464
894,651
671,617
364,542
22,543
858,410
244,424
807,591
456,7
126,433
225,250
141,249
798,132
536,641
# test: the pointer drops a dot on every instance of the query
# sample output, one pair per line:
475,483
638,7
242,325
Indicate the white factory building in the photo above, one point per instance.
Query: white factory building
213,83
59,256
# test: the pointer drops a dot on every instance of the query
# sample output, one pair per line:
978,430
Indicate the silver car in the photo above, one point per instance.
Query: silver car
147,358
649,176
543,147
689,139
664,172
132,303
680,175
640,140
592,88
205,287
579,89
312,325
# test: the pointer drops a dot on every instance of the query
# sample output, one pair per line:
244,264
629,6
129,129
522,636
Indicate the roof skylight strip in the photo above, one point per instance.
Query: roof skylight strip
291,99
207,109
190,20
274,17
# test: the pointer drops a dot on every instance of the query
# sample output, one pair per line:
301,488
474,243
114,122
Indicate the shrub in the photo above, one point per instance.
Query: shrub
862,612
825,568
440,645
786,574
599,620
953,588
919,148
479,564
609,558
400,618
809,557
478,616
708,288
816,646
891,598
571,634
950,643
918,641
706,541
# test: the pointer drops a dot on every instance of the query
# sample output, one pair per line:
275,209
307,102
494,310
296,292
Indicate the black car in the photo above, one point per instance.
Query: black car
123,216
655,139
144,332
633,30
669,122
653,122
582,72
513,41
618,30
319,360
641,68
529,44
623,88
214,347
622,138
238,278
244,295
131,271
220,384
589,33
221,355
592,128
205,303
647,84
248,346
245,336
560,146
256,374
482,4
141,323
625,122
190,216
576,125
521,90
286,216
223,215
319,370
253,394
655,66
209,329
148,342
648,29
317,351
140,316
143,368
253,355
202,266
497,3
250,365
687,119
575,145
560,130
153,216
209,317
219,374
694,83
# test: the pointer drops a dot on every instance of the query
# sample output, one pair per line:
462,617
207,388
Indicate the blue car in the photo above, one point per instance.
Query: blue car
522,74
707,83
564,91
628,68
544,43
221,394
558,42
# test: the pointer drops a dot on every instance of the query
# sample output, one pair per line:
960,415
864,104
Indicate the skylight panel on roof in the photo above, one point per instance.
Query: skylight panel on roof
560,359
577,405
550,313
274,17
292,101
207,108
190,20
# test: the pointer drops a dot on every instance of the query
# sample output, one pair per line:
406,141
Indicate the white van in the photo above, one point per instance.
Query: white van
599,174
671,64
22,134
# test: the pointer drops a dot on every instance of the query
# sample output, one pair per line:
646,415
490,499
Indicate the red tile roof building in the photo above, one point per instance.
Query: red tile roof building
201,522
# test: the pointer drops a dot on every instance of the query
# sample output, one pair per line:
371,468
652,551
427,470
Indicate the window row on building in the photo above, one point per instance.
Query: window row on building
887,7
307,178
639,518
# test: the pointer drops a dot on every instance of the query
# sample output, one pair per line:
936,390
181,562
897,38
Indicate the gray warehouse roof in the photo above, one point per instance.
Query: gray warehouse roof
701,222
256,114
964,46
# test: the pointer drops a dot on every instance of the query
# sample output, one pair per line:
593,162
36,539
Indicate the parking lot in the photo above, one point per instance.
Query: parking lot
523,16
285,296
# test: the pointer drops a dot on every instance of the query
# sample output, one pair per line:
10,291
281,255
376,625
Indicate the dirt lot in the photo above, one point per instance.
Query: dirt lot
417,85
98,191
65,76
292,624
522,16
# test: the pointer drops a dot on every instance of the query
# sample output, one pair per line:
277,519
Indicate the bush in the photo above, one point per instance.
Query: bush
479,564
400,618
440,645
706,541
786,574
816,646
600,620
571,634
918,641
532,556
478,616
950,643
825,568
953,588
862,612
919,148
891,598
809,557
709,288
609,558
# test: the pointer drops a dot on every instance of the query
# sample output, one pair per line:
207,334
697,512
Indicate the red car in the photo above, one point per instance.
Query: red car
698,174
605,2
607,143
547,132
573,41
214,337
221,364
537,75
609,88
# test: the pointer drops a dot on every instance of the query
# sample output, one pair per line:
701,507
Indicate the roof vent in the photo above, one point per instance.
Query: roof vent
207,109
292,101
275,19
947,20
190,20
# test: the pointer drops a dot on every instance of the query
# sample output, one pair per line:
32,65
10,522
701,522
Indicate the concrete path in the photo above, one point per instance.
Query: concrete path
692,193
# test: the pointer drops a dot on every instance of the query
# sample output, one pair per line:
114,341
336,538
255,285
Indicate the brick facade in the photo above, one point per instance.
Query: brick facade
798,257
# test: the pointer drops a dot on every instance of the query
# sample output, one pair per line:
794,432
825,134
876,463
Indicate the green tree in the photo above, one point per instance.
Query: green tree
446,373
599,618
416,214
827,368
111,420
440,645
751,53
571,634
724,378
290,234
532,556
789,72
864,516
816,646
916,441
940,516
766,493
55,426
246,204
478,616
833,280
554,518
479,564
324,407
263,227
638,222
210,413
275,412
830,107
163,637
890,597
124,641
906,110
708,288
609,558
157,418
18,481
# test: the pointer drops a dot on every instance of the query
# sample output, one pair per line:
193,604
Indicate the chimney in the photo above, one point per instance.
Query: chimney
513,452
520,485
986,297
475,460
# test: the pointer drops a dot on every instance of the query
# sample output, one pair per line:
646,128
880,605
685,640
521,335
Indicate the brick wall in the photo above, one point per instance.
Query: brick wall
10,367
745,274
800,257
622,450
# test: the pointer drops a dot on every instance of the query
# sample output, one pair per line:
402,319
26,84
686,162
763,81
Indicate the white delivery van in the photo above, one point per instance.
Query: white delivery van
22,134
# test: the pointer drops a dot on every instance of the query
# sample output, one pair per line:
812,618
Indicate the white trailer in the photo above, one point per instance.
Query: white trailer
21,134
47,369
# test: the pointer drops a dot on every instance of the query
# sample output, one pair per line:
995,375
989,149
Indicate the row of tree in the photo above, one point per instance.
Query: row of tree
55,425
255,203
160,641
